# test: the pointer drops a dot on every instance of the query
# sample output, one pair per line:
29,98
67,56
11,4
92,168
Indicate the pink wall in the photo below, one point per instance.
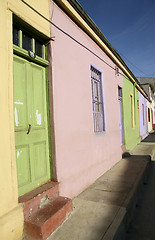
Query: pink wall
81,155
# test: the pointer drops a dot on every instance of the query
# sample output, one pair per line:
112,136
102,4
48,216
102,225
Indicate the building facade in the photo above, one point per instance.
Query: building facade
15,64
87,136
69,105
148,85
130,114
143,116
149,116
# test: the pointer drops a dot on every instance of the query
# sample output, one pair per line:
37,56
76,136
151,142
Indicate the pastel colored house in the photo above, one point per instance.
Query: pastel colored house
148,85
143,116
149,116
15,63
58,133
87,135
131,113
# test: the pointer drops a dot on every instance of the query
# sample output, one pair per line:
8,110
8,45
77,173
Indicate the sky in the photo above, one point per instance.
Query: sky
129,25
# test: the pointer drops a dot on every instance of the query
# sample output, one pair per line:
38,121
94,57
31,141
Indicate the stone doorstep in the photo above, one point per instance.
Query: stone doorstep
44,210
46,220
32,201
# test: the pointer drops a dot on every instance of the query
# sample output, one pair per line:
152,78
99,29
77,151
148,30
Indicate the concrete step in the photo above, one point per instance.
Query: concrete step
47,219
34,200
44,210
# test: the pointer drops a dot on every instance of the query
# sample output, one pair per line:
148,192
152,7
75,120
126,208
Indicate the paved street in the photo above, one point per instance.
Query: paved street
104,209
101,208
142,225
150,138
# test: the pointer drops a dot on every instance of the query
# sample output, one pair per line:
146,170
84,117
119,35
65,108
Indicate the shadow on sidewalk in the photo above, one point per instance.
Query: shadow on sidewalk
150,138
113,197
142,224
104,210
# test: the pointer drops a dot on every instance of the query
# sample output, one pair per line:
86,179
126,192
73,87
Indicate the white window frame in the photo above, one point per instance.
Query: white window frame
143,112
97,100
132,106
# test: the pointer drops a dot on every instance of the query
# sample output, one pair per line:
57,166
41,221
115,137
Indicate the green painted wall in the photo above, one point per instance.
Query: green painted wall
131,133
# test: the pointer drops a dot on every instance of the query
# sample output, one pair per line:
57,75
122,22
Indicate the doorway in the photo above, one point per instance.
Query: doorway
30,113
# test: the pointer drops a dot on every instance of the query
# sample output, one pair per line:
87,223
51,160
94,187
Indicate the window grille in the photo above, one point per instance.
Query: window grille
97,100
27,41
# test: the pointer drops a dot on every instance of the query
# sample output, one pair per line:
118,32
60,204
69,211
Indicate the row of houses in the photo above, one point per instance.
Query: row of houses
69,107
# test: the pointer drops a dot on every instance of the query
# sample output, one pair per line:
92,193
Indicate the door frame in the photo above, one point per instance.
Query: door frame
121,114
42,61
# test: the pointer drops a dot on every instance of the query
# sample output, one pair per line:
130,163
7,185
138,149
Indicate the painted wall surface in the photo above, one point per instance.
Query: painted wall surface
143,116
131,134
148,86
151,108
149,122
11,214
153,111
81,155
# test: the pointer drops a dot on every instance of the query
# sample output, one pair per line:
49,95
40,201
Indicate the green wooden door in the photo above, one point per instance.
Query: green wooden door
31,128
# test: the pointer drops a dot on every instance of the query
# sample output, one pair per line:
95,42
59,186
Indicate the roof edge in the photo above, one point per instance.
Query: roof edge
68,6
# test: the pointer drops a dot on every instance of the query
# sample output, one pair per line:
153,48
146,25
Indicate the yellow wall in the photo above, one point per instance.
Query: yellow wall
11,214
149,123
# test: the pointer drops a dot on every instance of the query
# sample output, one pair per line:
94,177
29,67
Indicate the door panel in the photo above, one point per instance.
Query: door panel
20,95
38,96
121,121
23,165
120,113
30,111
40,168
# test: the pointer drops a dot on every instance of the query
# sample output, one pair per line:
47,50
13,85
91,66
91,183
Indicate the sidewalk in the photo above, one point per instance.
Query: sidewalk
104,210
142,224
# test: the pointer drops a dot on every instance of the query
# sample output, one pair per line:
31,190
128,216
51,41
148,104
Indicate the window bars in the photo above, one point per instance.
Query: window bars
97,100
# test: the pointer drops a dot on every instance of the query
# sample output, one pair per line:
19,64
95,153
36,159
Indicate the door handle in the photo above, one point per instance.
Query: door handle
29,129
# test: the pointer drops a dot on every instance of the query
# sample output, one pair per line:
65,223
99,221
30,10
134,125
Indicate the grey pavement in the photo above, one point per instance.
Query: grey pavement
146,147
104,210
142,224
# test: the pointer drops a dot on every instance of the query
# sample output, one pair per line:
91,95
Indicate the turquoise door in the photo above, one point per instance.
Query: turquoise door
31,126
